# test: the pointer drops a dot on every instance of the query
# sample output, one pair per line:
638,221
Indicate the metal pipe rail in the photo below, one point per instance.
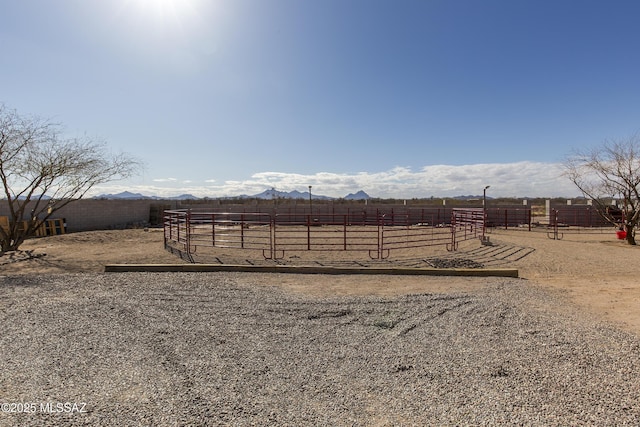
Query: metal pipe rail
466,224
276,234
572,221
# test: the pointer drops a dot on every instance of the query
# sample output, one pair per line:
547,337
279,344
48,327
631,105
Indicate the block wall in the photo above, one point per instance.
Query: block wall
90,214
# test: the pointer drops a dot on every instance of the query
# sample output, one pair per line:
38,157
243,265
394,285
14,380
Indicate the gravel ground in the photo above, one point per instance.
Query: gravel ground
217,349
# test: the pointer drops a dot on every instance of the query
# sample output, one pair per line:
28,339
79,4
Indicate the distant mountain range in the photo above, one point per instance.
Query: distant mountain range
360,195
267,194
127,195
275,194
123,195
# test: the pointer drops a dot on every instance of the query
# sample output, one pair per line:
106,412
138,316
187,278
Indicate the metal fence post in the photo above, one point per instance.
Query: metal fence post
344,233
272,235
380,220
453,232
242,231
308,232
188,231
213,229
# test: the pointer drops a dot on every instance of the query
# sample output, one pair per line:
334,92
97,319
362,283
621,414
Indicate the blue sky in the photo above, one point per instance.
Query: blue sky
403,98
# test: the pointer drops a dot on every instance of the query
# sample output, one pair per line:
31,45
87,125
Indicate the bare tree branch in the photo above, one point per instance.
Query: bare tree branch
611,171
42,171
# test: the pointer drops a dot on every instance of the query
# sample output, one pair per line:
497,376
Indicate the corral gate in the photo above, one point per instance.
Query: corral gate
274,234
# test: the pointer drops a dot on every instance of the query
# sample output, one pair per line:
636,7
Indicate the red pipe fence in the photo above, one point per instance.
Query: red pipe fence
275,234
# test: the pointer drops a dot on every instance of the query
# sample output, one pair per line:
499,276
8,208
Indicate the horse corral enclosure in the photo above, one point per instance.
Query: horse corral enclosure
193,233
367,235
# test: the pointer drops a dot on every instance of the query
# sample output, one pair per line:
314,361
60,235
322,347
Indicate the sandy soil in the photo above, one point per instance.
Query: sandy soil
594,271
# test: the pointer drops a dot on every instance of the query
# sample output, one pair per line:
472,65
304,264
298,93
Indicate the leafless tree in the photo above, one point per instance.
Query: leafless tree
41,171
611,171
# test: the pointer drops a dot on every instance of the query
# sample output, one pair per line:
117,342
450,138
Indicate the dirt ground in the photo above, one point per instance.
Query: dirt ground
594,271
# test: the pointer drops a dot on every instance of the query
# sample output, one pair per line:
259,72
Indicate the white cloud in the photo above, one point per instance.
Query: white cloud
521,179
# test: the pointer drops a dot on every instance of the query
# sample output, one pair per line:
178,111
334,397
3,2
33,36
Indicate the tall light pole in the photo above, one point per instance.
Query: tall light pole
484,211
310,202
